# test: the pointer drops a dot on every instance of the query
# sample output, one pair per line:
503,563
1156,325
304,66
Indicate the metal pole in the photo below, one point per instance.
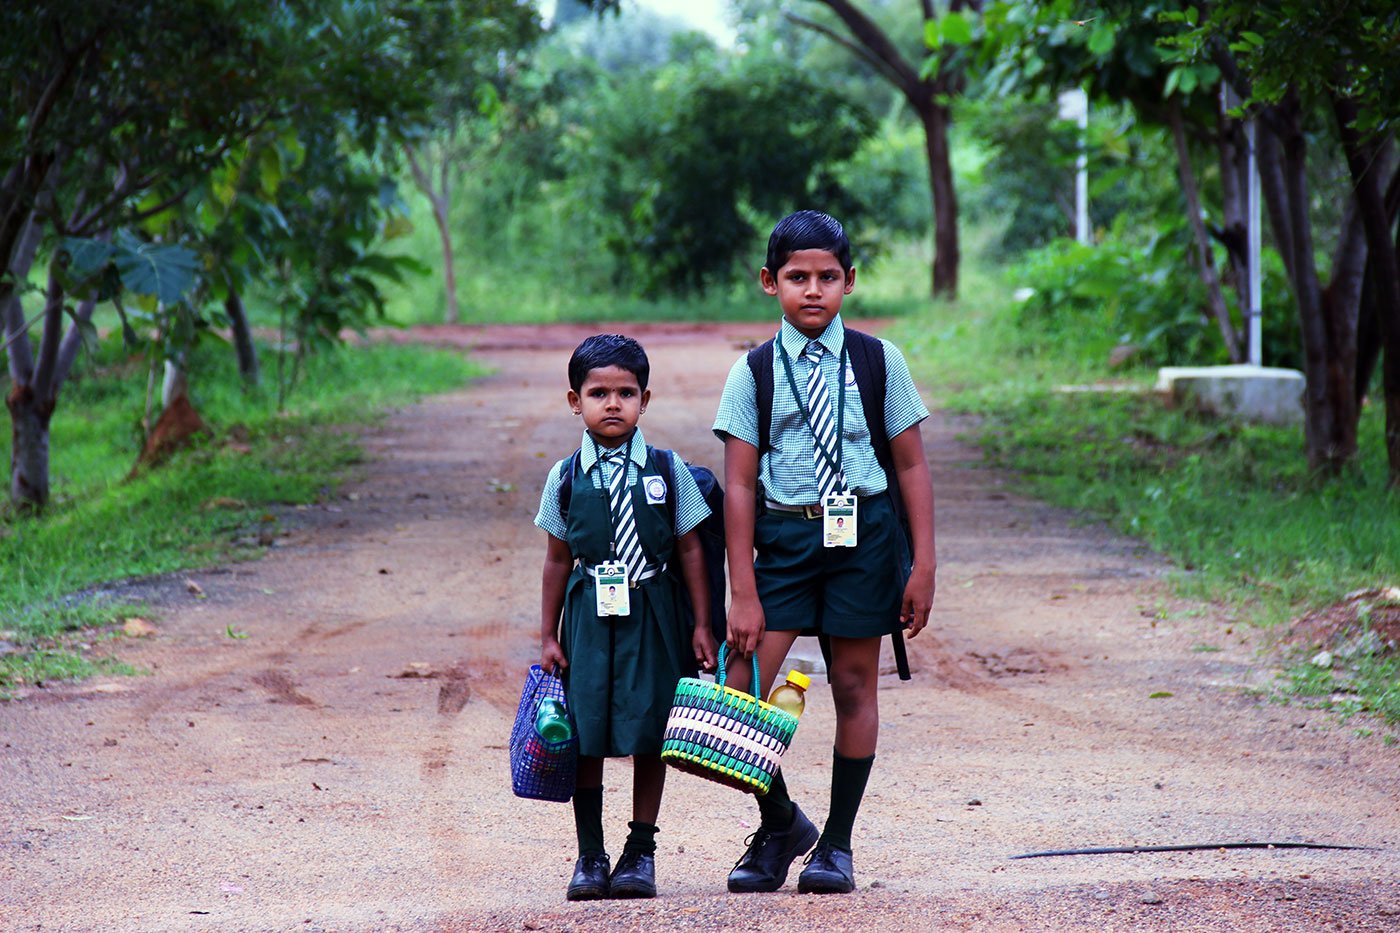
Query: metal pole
1256,298
1074,105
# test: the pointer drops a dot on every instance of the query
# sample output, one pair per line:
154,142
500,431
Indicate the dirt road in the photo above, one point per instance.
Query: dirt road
342,767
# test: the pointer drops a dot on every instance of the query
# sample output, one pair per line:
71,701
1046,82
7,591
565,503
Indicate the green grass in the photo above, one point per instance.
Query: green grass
200,508
1233,505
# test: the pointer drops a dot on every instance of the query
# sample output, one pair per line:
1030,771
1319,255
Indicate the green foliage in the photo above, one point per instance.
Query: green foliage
209,504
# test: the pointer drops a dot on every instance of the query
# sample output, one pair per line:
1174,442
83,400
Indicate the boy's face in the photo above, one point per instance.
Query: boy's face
610,401
809,287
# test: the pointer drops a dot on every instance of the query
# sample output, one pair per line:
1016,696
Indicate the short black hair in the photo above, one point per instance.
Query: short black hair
602,350
807,230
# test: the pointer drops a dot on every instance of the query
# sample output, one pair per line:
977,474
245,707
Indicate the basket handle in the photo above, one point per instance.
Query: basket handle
720,672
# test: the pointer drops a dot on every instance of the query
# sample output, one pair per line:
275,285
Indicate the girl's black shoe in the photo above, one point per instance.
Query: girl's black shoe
828,871
590,881
634,876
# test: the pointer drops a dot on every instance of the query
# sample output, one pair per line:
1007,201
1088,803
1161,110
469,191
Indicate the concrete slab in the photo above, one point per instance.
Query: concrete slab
1265,394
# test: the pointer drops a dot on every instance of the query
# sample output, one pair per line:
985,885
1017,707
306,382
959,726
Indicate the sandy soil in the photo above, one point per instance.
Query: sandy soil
343,767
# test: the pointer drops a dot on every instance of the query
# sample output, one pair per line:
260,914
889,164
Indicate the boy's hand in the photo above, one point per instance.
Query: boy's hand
706,651
918,600
552,654
746,626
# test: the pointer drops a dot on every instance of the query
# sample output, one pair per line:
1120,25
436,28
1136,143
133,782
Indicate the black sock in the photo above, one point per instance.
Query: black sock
641,838
848,777
775,807
588,820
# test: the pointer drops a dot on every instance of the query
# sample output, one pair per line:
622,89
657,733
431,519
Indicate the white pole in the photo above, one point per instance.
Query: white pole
1256,298
1074,105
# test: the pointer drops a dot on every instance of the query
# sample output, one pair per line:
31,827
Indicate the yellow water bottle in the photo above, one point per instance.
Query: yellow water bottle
791,696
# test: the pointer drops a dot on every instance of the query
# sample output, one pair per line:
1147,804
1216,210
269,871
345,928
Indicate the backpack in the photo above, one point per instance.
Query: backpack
711,530
867,358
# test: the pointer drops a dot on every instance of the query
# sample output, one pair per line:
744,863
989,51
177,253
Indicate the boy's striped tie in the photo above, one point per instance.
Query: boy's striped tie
627,546
825,450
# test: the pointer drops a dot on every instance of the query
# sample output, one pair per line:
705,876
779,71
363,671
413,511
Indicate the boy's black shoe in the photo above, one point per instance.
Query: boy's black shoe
828,871
590,878
764,867
634,876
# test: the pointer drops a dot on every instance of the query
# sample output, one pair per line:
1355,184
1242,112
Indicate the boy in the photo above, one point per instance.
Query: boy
814,570
621,648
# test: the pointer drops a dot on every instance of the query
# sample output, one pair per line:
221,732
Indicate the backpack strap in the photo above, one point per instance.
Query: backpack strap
567,469
666,459
761,365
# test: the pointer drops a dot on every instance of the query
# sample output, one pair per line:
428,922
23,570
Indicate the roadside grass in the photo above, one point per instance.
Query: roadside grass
211,503
1234,506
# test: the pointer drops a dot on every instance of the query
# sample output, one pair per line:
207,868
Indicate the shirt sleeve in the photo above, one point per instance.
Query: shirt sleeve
737,416
549,517
691,508
904,407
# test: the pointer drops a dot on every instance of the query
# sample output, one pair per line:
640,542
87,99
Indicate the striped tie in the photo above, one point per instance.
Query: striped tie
825,450
627,546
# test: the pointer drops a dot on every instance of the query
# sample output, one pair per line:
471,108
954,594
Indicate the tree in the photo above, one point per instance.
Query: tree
929,91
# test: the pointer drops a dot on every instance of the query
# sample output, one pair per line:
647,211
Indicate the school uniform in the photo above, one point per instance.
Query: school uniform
623,670
803,586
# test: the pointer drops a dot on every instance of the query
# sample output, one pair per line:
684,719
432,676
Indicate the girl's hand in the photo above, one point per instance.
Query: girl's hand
552,655
706,651
746,626
918,600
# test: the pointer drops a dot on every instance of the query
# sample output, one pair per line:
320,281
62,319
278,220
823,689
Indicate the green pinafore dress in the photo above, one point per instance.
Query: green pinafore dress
622,670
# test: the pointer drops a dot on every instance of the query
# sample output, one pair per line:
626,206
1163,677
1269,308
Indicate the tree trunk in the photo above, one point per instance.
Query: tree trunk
1367,160
243,344
441,201
1203,251
946,251
29,449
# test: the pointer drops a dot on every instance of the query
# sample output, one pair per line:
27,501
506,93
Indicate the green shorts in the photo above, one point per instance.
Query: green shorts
846,592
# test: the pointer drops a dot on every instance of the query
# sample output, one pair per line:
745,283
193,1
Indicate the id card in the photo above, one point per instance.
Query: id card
610,583
839,521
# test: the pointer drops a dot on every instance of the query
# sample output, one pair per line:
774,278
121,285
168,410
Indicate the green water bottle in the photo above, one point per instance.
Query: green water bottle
552,722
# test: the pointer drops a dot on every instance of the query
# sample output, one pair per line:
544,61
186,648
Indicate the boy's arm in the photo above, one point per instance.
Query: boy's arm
692,558
746,622
558,564
916,487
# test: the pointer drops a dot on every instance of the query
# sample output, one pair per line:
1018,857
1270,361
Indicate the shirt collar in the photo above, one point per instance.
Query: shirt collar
795,342
587,458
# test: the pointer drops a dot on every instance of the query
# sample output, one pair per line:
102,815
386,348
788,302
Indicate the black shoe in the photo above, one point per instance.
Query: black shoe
634,876
590,878
764,866
828,871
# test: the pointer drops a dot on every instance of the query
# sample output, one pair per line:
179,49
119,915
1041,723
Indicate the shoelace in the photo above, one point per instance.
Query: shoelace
756,838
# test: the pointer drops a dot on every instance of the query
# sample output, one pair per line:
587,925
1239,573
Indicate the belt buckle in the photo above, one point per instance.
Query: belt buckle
812,511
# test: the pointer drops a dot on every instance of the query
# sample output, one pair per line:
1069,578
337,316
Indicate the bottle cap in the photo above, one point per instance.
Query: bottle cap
799,679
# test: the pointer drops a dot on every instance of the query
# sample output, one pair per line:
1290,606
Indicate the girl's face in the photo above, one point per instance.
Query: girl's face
810,288
611,402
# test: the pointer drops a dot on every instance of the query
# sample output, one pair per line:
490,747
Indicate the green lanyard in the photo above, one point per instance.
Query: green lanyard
607,489
806,416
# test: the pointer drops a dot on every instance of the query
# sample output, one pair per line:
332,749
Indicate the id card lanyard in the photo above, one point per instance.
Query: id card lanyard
838,509
610,583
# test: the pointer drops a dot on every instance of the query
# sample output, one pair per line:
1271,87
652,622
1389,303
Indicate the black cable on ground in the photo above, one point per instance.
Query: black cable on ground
1187,847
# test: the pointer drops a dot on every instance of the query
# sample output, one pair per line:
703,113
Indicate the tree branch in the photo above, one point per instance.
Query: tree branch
868,34
855,48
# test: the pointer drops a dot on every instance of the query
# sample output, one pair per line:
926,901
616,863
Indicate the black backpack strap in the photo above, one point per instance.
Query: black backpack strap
761,365
666,459
567,469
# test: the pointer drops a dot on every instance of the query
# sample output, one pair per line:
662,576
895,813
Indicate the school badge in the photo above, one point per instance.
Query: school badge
655,488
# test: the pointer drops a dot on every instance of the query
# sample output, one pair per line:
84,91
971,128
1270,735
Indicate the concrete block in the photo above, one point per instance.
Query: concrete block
1264,394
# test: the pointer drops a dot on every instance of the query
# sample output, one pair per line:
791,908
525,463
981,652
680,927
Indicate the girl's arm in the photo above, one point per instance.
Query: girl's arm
692,558
916,488
746,623
558,564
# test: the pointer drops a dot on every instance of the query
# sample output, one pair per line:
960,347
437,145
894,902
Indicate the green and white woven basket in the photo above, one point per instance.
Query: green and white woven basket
726,735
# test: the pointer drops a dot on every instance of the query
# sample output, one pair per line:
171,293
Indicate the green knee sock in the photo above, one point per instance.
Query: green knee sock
775,808
848,778
641,838
588,820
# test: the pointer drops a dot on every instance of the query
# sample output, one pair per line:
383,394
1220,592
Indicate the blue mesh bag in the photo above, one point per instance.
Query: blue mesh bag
541,770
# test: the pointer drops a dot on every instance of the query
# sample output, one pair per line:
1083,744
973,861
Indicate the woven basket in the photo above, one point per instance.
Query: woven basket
541,770
726,735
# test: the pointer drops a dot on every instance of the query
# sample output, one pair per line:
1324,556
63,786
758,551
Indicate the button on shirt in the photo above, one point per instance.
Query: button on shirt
786,471
691,509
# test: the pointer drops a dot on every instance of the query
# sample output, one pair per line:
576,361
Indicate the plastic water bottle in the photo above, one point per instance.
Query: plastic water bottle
791,695
552,722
